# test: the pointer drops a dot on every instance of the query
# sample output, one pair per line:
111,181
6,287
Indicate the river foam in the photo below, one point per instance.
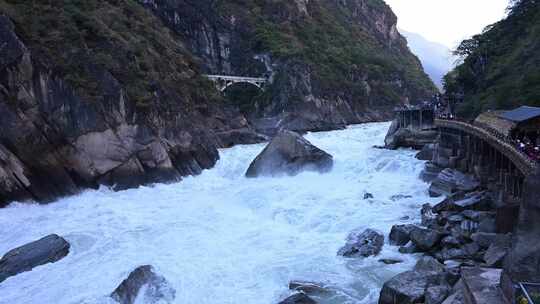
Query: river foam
222,238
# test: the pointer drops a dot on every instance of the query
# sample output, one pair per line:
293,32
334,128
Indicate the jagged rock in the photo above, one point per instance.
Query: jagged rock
425,239
482,285
498,250
390,261
408,249
429,219
298,298
430,172
451,254
426,153
436,294
484,240
407,288
408,138
49,249
289,153
450,181
367,243
450,241
400,234
461,201
368,195
143,283
307,287
428,264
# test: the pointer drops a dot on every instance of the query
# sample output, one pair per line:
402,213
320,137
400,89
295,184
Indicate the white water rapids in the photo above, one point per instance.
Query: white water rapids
222,238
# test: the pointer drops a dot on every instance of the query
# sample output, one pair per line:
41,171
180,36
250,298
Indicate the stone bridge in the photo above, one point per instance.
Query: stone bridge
222,82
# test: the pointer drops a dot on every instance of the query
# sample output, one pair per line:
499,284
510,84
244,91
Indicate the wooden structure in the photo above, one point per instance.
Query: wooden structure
526,123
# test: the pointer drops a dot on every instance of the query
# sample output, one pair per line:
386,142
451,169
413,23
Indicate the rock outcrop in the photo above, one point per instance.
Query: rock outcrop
365,244
49,249
143,284
289,153
57,139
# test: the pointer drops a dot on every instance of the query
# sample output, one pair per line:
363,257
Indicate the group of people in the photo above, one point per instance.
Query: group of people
529,148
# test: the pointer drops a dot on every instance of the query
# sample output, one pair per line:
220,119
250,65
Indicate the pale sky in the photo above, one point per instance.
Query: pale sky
447,21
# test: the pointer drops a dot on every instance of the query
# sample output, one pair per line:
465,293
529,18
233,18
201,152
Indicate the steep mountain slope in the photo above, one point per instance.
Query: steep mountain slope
331,62
102,92
99,92
436,58
501,67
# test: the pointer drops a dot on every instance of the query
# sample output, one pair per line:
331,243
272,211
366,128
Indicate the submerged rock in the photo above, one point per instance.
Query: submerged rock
144,283
298,298
289,153
308,287
46,250
367,243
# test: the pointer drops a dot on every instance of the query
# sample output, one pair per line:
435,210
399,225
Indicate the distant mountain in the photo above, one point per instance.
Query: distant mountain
436,58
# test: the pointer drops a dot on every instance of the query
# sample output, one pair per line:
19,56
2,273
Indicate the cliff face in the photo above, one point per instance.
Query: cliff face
103,93
501,66
330,63
69,121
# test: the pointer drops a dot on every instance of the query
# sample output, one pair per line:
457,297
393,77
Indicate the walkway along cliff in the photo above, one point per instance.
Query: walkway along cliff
489,218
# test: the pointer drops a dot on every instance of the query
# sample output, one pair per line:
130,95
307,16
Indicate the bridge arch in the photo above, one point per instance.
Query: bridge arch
223,82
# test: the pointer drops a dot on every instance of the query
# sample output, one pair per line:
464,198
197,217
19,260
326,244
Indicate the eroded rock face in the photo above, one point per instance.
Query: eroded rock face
49,249
450,181
367,243
55,141
143,284
288,154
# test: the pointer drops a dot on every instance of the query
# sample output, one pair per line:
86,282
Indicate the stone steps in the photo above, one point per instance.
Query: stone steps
482,286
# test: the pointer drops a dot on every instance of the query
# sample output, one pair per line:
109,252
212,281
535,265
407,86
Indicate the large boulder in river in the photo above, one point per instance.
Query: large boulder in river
400,234
46,250
367,243
425,239
289,153
145,286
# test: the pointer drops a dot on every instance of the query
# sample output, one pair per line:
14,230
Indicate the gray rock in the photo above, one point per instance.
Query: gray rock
430,172
426,153
461,201
368,195
298,298
450,241
455,298
49,249
390,261
408,249
367,243
144,283
425,239
289,153
451,254
450,181
483,239
436,294
429,219
308,287
400,234
428,264
498,250
406,288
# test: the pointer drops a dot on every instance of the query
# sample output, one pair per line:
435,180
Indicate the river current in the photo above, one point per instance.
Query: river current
222,238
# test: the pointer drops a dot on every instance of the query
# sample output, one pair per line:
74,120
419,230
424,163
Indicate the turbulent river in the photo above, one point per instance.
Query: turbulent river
222,238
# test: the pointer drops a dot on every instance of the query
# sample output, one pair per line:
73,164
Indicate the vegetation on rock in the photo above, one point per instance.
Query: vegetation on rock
501,66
